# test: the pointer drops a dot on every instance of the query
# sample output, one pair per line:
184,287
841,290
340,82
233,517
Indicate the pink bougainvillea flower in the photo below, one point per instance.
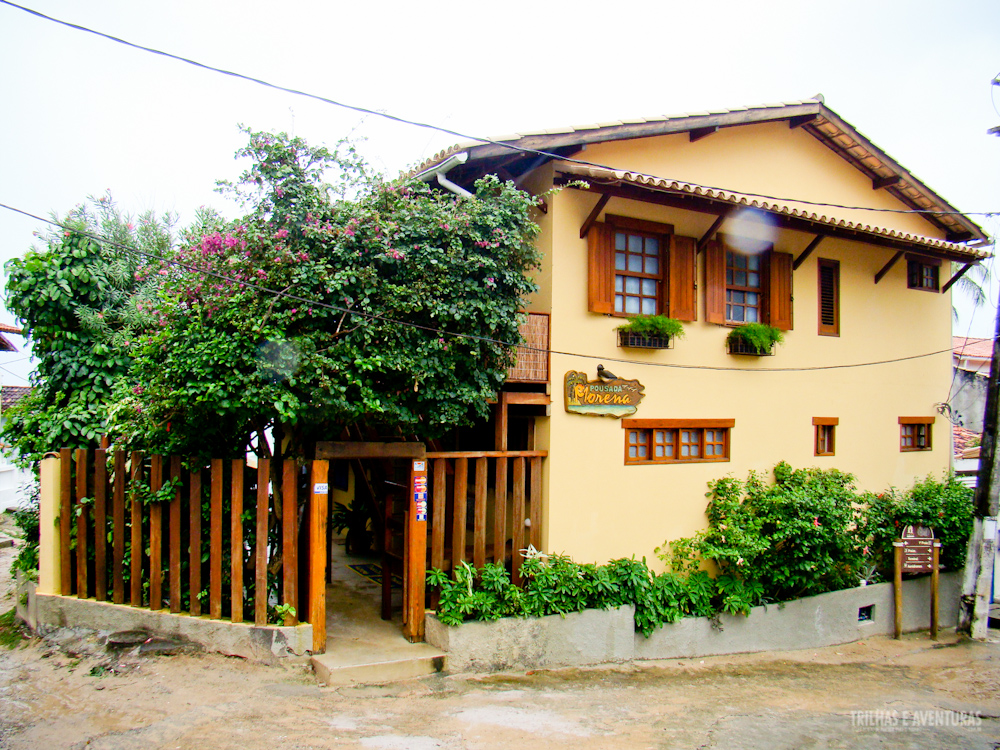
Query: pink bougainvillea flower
815,521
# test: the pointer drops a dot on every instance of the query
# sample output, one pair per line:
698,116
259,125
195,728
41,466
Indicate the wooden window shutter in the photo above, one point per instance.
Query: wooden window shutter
682,265
715,282
829,297
601,268
779,291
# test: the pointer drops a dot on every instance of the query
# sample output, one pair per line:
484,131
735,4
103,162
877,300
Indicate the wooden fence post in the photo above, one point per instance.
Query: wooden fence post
317,553
415,554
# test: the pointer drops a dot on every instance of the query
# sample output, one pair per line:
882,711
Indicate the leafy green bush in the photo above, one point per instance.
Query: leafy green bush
810,532
653,326
26,518
758,336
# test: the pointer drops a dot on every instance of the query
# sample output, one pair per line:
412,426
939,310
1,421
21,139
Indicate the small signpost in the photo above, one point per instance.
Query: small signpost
917,551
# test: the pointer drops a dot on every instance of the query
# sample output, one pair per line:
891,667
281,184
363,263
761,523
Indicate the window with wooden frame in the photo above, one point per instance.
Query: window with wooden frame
829,297
915,433
824,443
923,273
666,441
639,267
747,281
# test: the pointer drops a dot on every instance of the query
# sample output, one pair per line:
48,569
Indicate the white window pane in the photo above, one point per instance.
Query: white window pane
619,303
751,316
632,305
669,450
652,264
658,451
754,280
753,298
652,246
642,451
694,450
685,451
635,244
753,262
620,240
619,283
635,263
619,261
709,450
632,284
649,287
631,451
648,306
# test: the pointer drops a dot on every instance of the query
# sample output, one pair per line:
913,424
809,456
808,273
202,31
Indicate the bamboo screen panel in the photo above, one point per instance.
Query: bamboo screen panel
533,358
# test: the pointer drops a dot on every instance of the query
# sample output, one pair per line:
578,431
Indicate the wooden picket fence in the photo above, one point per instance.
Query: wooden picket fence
119,542
505,489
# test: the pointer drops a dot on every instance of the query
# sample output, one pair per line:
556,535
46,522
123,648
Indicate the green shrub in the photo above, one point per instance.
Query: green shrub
26,518
759,336
653,326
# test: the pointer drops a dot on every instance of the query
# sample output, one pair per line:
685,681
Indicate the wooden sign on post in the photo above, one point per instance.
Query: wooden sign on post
917,551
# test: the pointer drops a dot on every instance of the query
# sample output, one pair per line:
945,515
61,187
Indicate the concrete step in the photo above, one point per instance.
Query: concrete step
346,668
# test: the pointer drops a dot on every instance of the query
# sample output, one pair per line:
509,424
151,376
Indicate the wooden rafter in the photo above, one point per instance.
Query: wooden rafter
706,238
884,182
702,204
698,133
798,122
592,216
808,251
885,269
956,277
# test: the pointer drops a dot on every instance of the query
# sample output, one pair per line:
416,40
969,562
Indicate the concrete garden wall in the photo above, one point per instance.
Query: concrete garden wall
262,643
596,636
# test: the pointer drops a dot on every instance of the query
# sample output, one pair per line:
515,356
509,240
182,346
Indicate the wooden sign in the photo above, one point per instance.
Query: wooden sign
918,548
615,398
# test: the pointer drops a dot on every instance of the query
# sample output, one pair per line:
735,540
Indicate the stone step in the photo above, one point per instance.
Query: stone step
335,669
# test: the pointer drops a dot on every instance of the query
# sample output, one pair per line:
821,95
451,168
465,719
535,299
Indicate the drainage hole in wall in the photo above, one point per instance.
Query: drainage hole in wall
867,613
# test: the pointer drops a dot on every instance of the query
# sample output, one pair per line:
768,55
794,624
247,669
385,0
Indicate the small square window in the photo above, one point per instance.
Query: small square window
674,441
922,274
915,433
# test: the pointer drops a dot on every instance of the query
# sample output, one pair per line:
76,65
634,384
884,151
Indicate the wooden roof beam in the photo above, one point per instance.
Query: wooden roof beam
698,133
707,237
883,182
888,266
703,205
798,122
808,251
592,216
956,277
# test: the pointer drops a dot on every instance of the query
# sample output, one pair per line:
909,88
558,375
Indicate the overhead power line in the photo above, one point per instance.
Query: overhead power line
458,134
314,303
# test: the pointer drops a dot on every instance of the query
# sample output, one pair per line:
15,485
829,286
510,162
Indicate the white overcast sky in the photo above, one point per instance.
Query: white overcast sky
81,114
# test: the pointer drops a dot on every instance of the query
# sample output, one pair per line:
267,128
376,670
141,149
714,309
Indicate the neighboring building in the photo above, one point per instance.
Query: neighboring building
13,480
968,385
716,219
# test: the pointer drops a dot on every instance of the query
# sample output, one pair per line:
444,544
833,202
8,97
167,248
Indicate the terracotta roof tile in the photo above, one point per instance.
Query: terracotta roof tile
11,394
972,347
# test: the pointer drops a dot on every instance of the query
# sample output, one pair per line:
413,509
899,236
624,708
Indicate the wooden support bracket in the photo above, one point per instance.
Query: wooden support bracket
956,277
592,216
698,133
883,182
808,251
707,237
885,269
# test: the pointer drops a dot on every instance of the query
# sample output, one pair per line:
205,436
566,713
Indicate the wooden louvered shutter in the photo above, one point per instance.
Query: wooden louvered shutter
829,297
601,268
682,265
779,291
715,283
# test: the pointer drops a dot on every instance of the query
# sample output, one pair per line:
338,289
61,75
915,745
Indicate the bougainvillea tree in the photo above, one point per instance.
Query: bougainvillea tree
325,306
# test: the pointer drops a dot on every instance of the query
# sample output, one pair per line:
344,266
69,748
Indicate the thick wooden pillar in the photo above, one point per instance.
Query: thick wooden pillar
415,564
317,553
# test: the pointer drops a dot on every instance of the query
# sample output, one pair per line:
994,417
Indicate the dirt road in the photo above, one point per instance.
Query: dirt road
873,694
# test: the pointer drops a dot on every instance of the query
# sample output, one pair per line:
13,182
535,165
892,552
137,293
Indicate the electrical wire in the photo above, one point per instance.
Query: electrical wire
458,134
455,335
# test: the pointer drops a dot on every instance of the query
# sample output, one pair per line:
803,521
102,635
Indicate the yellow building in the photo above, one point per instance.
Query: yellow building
782,214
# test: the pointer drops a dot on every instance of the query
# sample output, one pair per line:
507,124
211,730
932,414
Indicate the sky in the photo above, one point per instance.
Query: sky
82,115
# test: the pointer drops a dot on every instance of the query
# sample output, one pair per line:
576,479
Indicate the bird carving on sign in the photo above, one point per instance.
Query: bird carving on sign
605,374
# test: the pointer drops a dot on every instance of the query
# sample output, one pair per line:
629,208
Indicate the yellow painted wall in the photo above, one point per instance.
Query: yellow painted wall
598,508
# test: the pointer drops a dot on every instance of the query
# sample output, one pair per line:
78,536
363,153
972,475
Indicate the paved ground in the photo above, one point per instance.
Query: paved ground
873,694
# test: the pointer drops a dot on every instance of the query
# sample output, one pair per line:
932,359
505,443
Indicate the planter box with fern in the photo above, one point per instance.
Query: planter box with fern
649,332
